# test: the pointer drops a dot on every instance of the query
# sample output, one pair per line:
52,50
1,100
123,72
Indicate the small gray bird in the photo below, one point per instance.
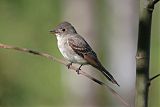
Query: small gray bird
76,50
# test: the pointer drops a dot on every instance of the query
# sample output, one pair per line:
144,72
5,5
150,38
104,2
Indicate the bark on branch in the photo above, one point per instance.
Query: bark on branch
143,52
71,67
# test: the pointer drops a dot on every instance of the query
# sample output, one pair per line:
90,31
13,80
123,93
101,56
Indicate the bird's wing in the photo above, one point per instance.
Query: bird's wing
82,48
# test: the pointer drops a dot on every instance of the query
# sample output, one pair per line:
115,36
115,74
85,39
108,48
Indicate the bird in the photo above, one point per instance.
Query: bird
75,49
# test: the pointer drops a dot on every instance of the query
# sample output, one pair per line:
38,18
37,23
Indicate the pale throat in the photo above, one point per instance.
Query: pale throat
59,37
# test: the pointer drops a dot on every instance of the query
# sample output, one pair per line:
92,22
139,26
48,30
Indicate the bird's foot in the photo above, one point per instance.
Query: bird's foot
69,65
78,71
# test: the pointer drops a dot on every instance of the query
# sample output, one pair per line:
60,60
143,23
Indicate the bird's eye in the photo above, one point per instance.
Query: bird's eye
63,30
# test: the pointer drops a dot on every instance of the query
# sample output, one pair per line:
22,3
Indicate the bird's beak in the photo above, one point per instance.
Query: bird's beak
53,31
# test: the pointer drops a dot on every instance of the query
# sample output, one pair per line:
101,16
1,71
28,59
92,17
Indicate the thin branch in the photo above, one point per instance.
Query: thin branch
155,1
152,4
154,77
65,63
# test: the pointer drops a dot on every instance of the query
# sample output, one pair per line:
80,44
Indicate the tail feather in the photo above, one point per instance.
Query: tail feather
92,59
109,76
106,74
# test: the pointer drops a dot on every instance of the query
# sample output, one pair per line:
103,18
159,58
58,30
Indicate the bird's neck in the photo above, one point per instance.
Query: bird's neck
59,37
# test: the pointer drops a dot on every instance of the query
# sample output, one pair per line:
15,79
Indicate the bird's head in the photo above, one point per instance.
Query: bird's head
63,29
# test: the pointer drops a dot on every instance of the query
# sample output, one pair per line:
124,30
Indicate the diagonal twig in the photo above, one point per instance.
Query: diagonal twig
65,63
154,77
152,4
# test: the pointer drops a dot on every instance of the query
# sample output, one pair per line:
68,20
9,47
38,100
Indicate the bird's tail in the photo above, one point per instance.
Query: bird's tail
106,74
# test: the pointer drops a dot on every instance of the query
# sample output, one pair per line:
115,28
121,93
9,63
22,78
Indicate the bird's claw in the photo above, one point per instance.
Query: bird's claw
78,71
69,65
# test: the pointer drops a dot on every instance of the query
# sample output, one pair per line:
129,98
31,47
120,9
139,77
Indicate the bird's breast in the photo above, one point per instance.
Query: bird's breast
68,52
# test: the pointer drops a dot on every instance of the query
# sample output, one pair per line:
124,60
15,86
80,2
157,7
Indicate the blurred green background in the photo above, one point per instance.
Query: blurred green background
28,80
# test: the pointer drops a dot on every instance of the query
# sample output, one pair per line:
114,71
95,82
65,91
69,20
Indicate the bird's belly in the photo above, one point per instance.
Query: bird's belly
70,55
